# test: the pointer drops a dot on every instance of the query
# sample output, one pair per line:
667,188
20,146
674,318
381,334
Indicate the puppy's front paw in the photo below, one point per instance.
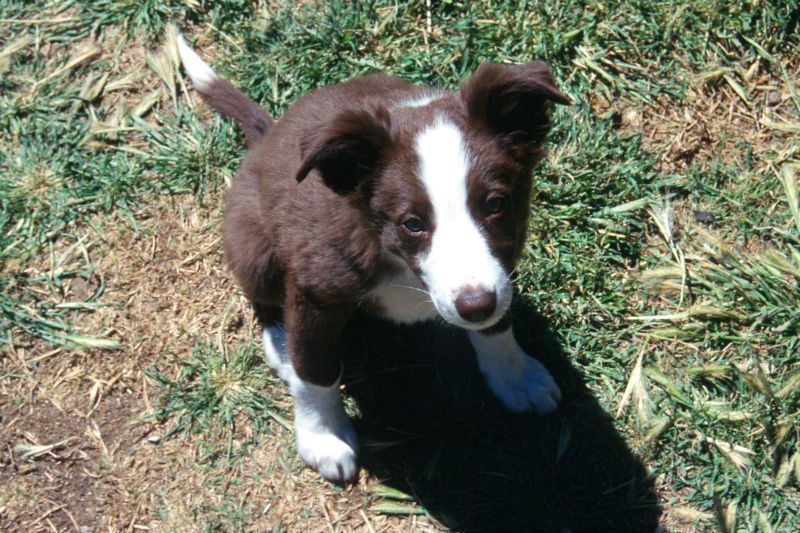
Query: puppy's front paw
331,454
529,388
521,382
326,440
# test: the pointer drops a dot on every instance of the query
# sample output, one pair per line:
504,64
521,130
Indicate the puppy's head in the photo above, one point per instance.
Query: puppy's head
446,181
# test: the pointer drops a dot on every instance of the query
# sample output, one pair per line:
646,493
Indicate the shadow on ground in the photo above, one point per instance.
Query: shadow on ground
431,428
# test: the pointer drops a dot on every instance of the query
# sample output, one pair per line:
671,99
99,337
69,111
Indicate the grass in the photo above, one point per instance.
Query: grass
212,389
664,252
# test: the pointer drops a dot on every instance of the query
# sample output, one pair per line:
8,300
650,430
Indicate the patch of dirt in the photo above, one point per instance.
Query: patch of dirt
105,472
90,478
721,116
103,465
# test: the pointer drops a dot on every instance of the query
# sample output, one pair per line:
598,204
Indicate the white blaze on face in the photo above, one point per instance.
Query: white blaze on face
459,258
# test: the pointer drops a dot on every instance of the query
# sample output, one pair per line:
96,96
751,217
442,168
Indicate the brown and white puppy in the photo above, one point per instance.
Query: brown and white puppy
381,195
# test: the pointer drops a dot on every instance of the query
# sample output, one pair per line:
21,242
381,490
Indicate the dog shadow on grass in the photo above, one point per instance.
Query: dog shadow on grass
431,428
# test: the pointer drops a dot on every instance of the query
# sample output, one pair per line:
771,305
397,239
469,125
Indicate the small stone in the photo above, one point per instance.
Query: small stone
774,98
704,216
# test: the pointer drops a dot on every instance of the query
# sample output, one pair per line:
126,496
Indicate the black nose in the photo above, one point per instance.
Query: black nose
476,305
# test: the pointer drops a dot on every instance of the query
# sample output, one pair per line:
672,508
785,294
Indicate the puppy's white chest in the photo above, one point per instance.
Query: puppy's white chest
403,298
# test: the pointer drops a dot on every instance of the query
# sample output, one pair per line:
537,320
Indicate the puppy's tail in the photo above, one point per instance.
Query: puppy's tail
223,96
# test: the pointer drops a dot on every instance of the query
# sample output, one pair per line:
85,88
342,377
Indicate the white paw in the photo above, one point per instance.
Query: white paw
326,440
530,388
521,382
332,455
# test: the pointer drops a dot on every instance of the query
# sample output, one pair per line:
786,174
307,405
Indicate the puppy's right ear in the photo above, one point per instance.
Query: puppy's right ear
348,150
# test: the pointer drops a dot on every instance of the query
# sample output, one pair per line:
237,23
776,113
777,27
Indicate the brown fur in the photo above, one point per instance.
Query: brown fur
233,103
321,193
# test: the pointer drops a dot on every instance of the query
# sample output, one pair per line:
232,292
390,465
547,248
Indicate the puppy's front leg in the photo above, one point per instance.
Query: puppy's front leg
521,382
303,353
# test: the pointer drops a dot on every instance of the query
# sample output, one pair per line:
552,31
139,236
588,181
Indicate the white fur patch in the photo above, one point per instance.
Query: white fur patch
403,298
421,101
521,382
459,257
326,440
202,75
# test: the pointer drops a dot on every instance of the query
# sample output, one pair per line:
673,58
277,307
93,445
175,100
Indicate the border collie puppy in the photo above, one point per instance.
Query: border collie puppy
405,201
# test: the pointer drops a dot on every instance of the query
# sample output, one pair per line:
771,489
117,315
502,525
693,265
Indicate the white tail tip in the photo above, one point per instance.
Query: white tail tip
202,75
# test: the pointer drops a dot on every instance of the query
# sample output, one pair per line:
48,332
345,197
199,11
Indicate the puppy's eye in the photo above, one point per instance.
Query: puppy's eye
414,225
495,204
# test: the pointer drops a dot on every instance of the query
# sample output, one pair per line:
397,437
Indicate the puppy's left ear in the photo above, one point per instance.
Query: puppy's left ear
513,100
348,150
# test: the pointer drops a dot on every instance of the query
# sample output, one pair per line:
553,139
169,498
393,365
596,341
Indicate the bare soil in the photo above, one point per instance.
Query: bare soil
109,469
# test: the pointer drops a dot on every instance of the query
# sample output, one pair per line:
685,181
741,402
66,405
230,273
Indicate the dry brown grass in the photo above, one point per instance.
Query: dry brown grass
106,474
716,120
110,471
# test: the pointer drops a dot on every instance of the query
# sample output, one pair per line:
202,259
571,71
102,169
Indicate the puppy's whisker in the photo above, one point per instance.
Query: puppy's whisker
409,287
423,302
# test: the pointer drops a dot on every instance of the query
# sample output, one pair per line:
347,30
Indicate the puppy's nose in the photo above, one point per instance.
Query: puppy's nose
476,305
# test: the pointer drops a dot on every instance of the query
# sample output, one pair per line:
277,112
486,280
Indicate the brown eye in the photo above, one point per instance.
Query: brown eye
414,225
495,204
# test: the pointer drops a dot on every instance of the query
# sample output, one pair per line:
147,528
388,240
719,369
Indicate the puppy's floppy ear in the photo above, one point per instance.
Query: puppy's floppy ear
512,100
348,150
